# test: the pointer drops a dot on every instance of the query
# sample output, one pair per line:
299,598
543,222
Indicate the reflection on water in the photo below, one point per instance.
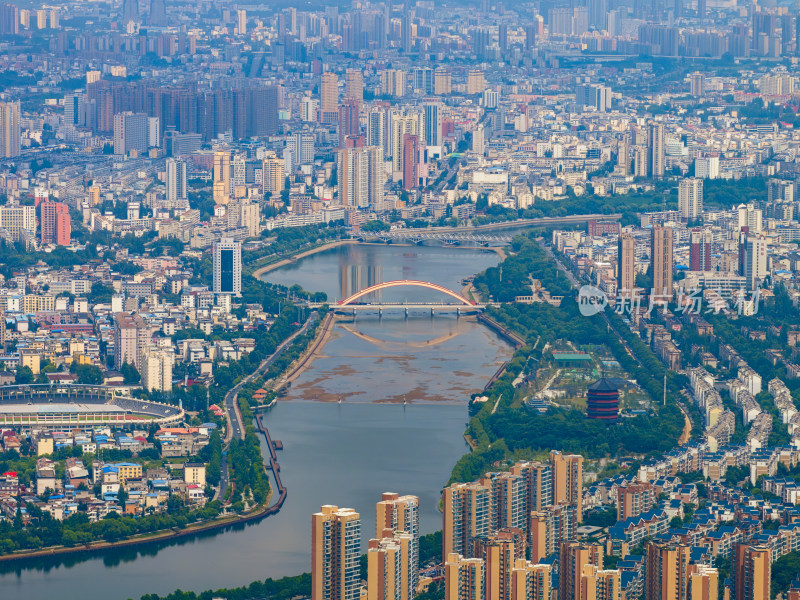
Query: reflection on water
342,271
395,359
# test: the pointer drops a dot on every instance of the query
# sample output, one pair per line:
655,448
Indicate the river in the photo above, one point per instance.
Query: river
345,454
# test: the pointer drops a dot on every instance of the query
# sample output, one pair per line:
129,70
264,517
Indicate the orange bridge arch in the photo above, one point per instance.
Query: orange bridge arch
401,283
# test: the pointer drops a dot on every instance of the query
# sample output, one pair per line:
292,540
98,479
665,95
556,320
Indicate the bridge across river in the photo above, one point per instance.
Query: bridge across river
353,304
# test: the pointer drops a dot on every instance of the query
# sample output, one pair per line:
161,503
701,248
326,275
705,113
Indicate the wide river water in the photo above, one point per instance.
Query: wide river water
345,454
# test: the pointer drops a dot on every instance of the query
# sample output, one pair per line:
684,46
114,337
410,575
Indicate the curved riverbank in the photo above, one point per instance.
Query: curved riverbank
258,273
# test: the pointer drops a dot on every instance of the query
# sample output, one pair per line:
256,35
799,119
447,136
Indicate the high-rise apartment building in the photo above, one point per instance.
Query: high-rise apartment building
349,123
156,369
400,514
700,249
509,500
592,95
241,21
549,527
360,176
539,483
633,500
697,84
390,568
56,225
704,583
568,480
656,151
690,198
378,129
755,262
531,581
18,220
9,129
130,11
329,97
222,177
498,561
433,124
667,571
401,125
661,261
335,554
227,267
751,571
599,584
573,557
301,147
131,133
132,335
442,83
476,82
273,175
177,190
158,13
394,82
354,85
626,261
466,516
411,161
463,578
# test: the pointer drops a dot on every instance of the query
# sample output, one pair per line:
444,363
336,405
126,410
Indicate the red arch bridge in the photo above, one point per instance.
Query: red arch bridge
455,303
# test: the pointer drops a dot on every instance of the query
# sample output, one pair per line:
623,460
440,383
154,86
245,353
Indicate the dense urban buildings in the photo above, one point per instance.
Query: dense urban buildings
157,157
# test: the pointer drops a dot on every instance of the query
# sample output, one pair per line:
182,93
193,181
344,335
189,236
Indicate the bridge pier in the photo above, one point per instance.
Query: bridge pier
380,313
406,310
431,312
458,313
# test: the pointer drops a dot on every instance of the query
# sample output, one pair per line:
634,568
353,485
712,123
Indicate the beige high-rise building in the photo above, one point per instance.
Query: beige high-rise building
751,570
704,583
466,515
538,481
156,369
250,217
463,578
273,175
568,480
9,129
354,85
573,557
132,335
531,581
411,124
626,272
222,177
656,150
599,584
640,161
241,21
335,554
442,83
15,218
549,527
661,262
476,82
509,500
329,94
666,571
498,560
394,82
690,198
400,514
389,567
